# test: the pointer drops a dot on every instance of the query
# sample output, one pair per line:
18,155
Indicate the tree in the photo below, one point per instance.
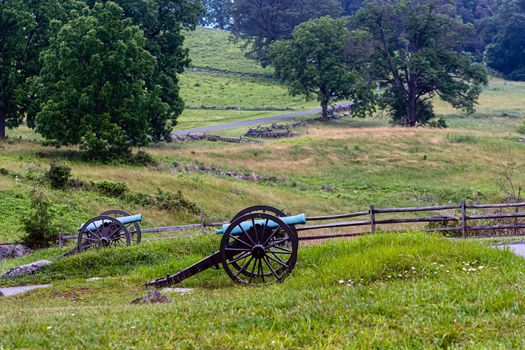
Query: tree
506,51
92,86
163,23
264,21
351,6
314,62
416,55
217,14
24,32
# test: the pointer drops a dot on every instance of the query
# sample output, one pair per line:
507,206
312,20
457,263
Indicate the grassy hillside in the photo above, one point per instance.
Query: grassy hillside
214,49
411,291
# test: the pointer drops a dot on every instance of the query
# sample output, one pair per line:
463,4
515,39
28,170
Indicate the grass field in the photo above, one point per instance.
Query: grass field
331,167
411,291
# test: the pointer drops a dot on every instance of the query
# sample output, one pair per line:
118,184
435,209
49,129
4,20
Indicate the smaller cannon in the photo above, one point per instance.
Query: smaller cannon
111,228
258,247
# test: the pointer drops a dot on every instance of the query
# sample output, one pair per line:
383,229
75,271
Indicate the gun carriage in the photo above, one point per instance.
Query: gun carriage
258,247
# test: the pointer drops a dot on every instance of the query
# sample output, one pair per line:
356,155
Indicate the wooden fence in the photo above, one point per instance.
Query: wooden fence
372,219
461,227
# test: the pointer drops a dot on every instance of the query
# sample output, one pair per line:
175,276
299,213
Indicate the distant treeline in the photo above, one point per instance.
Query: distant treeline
497,37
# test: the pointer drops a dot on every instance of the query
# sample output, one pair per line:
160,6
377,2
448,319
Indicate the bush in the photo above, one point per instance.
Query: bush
59,175
438,124
170,201
40,229
143,158
521,129
112,189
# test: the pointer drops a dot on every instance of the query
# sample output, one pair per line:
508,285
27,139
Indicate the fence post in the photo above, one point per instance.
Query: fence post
61,240
203,224
372,219
463,219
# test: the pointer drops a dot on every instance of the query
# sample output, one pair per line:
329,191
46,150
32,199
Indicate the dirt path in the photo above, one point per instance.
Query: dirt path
8,291
254,121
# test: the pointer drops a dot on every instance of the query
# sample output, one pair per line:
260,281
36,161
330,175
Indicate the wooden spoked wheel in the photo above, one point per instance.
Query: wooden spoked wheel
262,254
103,231
133,228
259,209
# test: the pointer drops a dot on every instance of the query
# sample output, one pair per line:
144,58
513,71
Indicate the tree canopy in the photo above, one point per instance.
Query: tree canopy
93,84
24,31
266,21
314,62
415,53
217,14
506,53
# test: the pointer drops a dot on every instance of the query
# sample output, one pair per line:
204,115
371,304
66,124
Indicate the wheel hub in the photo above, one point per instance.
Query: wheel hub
258,251
104,242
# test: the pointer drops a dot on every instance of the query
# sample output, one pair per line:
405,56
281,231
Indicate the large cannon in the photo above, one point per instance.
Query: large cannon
258,247
111,228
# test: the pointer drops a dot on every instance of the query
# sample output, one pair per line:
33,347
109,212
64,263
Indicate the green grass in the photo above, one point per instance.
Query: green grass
408,291
212,49
199,89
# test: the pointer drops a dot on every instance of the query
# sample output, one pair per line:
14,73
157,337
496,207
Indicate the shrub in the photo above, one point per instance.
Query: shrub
170,201
521,129
59,175
112,189
143,158
40,229
438,124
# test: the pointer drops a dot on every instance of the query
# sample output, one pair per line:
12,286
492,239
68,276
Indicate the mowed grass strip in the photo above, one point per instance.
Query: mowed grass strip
383,291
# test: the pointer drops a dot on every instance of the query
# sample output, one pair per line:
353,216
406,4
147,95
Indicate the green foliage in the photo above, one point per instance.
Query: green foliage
93,85
59,175
169,201
441,123
521,128
314,62
162,22
275,20
507,48
39,226
414,51
217,14
112,189
142,158
24,31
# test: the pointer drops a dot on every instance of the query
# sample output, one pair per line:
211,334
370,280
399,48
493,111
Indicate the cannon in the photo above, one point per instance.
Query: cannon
111,228
258,247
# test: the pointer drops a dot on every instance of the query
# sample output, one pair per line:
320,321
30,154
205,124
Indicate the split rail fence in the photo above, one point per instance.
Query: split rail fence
468,220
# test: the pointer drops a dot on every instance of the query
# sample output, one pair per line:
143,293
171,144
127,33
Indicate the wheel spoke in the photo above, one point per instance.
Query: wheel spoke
277,242
251,274
255,230
240,240
247,235
240,257
262,270
271,268
243,268
278,260
272,235
264,229
281,250
237,249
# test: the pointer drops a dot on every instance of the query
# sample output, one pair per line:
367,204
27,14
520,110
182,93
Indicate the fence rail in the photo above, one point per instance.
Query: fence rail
374,221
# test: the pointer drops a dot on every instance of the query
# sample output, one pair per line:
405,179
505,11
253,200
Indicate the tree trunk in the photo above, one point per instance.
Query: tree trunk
324,112
411,119
2,125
